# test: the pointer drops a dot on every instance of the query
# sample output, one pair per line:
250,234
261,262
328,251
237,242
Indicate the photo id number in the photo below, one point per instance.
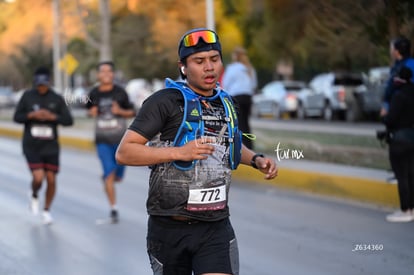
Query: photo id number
368,247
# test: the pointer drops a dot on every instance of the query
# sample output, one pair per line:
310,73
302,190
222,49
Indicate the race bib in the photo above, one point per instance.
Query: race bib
107,123
213,198
42,131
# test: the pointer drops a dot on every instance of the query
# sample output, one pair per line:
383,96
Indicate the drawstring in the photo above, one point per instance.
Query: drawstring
249,136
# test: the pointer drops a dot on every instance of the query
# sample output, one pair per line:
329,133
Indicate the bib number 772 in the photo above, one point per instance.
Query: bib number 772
210,195
207,198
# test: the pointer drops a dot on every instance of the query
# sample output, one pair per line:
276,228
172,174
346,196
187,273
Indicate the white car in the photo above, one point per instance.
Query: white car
138,90
277,98
333,95
6,97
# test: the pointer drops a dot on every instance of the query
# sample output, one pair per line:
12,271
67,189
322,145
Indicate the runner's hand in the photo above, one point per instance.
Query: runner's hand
42,115
198,149
267,166
93,111
48,115
116,109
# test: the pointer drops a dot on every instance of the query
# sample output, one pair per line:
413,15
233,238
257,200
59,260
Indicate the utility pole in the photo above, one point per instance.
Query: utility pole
57,75
210,14
105,48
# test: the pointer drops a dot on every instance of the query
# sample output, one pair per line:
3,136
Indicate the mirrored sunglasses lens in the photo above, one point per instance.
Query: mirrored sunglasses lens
192,39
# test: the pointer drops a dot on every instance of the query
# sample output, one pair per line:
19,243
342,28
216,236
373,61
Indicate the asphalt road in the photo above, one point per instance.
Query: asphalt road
279,232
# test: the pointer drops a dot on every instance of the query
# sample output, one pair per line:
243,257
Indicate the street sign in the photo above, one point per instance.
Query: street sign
68,63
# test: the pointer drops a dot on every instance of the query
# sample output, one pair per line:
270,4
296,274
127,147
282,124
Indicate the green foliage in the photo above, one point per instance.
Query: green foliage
316,36
145,59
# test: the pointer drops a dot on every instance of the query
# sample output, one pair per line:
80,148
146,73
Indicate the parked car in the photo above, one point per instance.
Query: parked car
277,98
333,95
138,90
6,97
375,80
17,95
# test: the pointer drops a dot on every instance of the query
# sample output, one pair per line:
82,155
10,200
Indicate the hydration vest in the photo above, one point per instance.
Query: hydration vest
192,125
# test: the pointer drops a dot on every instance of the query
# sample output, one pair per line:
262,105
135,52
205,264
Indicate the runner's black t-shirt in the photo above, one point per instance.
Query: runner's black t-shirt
178,192
161,113
41,137
109,128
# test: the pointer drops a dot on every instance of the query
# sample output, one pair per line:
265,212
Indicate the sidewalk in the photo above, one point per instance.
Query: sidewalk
355,183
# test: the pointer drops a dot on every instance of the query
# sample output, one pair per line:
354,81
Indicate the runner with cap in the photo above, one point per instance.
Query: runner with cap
41,110
188,134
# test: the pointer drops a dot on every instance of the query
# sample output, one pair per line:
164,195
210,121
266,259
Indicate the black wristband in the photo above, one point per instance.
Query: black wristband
253,161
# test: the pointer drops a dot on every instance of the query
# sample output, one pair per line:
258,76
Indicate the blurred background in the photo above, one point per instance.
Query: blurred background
321,68
285,39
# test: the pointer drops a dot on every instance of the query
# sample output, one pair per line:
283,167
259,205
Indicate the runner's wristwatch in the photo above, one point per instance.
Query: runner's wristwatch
253,161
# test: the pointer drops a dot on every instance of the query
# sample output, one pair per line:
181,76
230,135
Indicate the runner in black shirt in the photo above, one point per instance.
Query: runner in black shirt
110,105
189,229
42,110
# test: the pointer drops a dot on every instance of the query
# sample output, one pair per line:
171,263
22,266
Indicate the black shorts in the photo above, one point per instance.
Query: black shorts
45,162
178,247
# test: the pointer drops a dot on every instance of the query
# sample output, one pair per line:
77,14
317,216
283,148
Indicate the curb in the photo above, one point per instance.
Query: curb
72,142
358,189
354,188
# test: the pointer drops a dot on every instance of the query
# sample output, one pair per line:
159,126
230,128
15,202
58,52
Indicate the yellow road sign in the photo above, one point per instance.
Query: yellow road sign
68,63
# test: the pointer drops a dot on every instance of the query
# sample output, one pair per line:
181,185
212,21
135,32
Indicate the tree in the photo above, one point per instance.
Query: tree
400,15
316,36
31,55
319,35
102,41
134,48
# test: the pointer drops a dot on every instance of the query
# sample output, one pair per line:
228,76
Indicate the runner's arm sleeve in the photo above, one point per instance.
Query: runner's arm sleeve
20,113
124,102
92,100
148,121
64,116
160,113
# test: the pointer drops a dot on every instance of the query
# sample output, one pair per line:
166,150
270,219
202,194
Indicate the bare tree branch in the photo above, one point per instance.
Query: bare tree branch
89,39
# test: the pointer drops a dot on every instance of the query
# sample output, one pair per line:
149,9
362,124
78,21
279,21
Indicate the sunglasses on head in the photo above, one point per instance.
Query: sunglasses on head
191,39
